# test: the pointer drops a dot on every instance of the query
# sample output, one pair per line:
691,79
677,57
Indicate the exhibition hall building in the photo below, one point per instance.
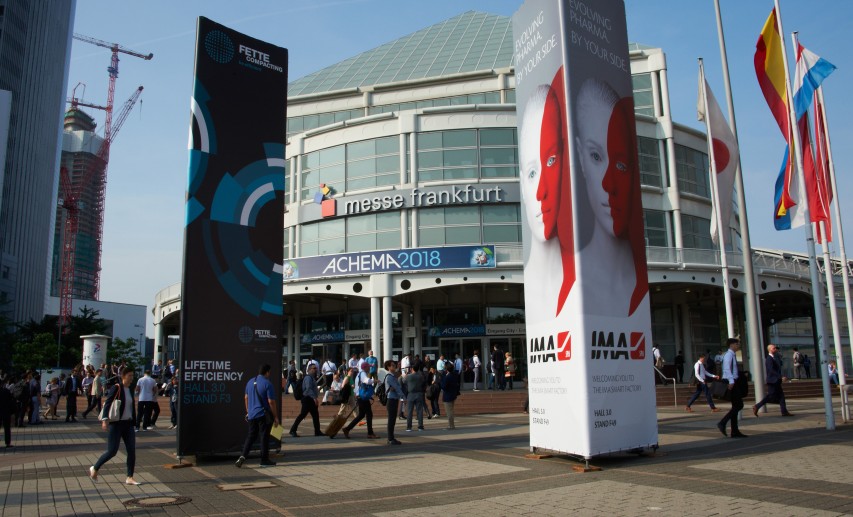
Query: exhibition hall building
403,227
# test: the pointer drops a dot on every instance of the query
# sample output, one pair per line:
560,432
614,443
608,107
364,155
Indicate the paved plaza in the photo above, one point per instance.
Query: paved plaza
787,466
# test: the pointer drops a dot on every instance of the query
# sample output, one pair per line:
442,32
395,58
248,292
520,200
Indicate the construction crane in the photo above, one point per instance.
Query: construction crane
71,193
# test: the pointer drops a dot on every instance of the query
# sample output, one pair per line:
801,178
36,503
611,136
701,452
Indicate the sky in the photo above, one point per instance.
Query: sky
146,184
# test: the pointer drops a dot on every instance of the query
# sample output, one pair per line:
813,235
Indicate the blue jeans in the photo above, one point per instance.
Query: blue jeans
699,389
118,431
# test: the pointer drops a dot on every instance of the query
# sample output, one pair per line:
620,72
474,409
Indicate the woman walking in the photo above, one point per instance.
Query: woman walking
122,430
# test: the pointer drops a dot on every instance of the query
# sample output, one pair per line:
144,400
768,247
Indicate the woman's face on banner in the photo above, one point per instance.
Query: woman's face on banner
605,153
542,164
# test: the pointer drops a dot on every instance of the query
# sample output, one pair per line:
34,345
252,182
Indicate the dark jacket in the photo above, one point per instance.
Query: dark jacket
772,369
415,382
450,386
498,358
116,392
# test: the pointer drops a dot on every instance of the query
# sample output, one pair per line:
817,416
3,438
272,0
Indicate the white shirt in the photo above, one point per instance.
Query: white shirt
656,353
329,367
405,364
308,366
477,361
700,372
146,387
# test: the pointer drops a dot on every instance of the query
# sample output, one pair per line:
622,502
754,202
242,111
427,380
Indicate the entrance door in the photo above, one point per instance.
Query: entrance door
516,347
465,348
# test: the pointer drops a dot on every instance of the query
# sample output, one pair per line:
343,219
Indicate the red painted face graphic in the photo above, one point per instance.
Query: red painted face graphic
621,166
551,162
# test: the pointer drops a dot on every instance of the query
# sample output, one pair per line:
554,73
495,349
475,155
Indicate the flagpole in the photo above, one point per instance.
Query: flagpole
715,204
845,274
817,292
755,341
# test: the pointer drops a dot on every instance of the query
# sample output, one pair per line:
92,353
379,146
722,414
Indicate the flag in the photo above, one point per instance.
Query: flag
822,166
725,156
810,73
770,71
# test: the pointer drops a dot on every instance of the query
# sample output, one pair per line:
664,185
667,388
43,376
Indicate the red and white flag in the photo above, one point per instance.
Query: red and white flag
725,157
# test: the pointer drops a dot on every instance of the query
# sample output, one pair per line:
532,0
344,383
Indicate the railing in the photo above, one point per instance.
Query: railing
666,380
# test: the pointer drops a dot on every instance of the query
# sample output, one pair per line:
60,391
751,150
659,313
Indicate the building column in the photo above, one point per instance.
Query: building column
673,194
297,339
375,325
387,330
160,342
419,346
407,322
684,309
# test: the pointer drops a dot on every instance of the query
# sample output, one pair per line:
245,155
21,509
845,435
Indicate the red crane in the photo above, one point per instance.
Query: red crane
71,193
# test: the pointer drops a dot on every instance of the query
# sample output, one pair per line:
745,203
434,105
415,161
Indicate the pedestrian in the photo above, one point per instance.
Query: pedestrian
96,393
21,393
86,386
700,377
475,361
72,384
457,364
172,392
121,430
157,370
405,364
35,403
373,362
395,395
679,366
450,388
291,376
416,386
498,359
52,393
261,413
313,362
333,392
364,398
146,389
509,369
440,365
832,370
799,369
807,366
310,402
774,380
736,388
7,408
352,364
328,371
433,392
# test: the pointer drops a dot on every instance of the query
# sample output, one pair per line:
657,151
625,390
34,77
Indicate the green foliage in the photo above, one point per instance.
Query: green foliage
120,350
38,353
71,345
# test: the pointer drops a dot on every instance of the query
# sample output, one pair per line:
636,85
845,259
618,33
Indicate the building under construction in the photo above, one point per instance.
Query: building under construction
80,146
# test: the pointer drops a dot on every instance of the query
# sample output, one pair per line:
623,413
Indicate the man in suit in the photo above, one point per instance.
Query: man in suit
773,370
498,367
72,384
737,383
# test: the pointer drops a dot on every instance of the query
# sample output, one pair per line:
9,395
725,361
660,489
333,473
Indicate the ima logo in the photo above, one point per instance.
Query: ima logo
608,345
544,349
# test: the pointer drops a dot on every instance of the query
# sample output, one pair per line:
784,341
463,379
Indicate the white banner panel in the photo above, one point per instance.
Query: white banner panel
586,286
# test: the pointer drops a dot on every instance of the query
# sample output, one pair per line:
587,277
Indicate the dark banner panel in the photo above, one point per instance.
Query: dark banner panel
231,319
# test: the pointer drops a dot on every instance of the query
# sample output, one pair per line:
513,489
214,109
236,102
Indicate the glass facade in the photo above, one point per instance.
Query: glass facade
467,154
354,166
474,98
655,225
493,224
648,151
696,232
692,169
644,103
354,233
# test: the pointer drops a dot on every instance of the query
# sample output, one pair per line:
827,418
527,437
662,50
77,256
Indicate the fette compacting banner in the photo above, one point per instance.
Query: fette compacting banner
585,280
233,245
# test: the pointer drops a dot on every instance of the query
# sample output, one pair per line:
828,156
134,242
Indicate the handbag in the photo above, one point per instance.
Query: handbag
720,390
268,418
114,414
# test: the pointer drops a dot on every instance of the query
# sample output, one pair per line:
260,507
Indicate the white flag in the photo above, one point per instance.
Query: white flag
725,156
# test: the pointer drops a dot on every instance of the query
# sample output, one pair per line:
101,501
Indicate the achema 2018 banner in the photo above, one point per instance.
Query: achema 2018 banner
233,243
585,281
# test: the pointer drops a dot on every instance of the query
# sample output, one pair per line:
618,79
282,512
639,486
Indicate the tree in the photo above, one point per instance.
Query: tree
120,350
35,354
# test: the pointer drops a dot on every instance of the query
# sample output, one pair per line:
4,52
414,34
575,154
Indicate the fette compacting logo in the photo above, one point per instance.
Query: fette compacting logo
219,47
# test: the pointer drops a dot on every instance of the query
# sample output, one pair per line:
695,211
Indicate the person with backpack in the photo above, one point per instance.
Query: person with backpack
394,392
799,368
450,387
364,398
310,400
